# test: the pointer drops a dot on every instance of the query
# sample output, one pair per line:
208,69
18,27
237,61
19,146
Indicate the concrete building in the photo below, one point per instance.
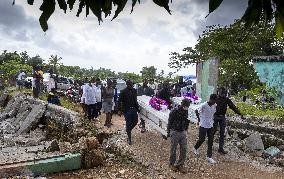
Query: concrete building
207,78
270,70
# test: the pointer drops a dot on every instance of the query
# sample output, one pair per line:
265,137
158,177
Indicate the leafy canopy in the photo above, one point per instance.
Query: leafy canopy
270,9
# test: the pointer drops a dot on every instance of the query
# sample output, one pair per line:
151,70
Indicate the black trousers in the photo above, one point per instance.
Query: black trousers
221,122
131,118
210,135
92,111
99,107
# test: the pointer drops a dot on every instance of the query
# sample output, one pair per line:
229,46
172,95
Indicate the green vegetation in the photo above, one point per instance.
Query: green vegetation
254,110
13,62
256,105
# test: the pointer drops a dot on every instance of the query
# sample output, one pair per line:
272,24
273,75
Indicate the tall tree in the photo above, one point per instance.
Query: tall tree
24,57
35,61
135,78
54,62
149,72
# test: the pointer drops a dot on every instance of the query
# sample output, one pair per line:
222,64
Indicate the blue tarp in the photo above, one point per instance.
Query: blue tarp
189,77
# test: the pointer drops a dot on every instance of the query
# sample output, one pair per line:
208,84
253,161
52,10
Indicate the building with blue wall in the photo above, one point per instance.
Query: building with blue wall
270,70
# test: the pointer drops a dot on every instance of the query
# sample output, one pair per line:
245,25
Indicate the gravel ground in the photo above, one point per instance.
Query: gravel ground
148,158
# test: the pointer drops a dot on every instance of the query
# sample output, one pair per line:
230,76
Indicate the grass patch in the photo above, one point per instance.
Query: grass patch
258,111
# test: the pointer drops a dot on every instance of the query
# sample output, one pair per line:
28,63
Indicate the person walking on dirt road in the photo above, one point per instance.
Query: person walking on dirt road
177,130
205,115
129,106
220,116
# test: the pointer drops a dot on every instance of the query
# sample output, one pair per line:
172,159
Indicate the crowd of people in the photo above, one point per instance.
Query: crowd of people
97,98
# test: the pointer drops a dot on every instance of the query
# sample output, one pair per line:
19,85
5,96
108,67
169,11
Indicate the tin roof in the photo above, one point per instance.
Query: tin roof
275,58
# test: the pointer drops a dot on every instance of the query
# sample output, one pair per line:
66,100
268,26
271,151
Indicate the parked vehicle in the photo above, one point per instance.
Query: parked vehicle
64,83
28,82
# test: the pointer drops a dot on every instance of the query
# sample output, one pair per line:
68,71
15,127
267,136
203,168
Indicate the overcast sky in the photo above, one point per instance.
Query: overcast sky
143,38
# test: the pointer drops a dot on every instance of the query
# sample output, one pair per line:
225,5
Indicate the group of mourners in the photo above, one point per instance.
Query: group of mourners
96,98
210,115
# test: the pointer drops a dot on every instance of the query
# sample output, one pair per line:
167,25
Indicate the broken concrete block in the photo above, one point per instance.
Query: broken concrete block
54,146
62,116
65,147
92,143
254,144
33,118
19,119
272,151
93,158
7,128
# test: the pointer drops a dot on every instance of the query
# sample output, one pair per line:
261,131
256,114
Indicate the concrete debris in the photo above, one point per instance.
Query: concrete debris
65,147
62,116
54,146
32,119
272,151
254,144
22,138
93,158
24,112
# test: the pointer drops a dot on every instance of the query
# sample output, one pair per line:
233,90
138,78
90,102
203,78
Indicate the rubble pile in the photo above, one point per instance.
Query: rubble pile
23,128
256,139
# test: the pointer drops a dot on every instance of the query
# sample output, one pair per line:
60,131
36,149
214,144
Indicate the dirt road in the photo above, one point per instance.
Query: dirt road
152,151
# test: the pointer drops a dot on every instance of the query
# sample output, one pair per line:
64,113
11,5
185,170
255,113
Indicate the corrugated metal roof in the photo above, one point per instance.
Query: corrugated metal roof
276,58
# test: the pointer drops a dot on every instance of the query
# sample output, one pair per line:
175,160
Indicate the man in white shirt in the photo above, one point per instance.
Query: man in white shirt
205,115
89,98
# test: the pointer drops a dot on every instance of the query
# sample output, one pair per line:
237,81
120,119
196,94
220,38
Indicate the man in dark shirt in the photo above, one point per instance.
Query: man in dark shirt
178,86
144,90
220,115
129,106
165,92
177,130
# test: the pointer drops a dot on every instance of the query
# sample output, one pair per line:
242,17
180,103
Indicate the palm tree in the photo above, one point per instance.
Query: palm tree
54,62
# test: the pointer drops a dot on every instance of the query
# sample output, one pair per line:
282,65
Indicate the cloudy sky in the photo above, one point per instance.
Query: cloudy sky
143,38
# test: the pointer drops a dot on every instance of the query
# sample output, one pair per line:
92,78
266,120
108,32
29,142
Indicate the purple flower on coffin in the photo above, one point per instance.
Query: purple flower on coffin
156,103
191,96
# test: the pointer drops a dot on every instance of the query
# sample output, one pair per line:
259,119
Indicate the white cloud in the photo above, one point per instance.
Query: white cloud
144,38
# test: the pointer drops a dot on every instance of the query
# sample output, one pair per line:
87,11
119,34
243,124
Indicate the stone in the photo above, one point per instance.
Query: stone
54,146
281,147
272,151
19,119
235,135
254,144
92,143
32,119
7,128
93,158
65,147
82,143
280,162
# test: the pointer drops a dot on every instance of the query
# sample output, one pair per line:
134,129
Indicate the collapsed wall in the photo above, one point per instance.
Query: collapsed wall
24,112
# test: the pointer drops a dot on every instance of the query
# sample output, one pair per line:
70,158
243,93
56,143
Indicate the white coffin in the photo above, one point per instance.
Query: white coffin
159,119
